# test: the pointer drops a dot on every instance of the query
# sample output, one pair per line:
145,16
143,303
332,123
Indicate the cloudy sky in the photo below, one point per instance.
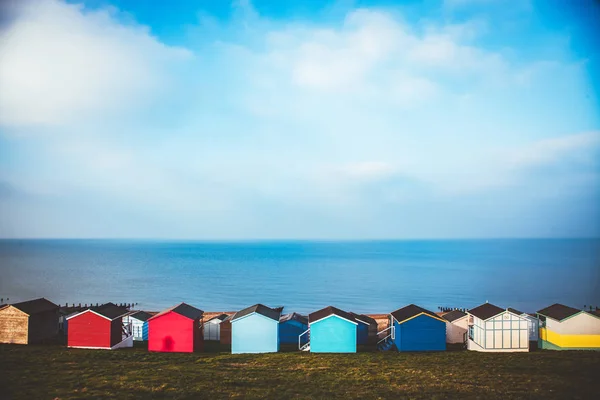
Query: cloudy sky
219,119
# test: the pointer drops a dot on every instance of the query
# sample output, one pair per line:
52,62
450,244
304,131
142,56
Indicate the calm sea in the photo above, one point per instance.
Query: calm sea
370,276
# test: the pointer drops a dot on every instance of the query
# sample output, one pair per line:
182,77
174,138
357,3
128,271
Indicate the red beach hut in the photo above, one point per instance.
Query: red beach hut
99,328
177,329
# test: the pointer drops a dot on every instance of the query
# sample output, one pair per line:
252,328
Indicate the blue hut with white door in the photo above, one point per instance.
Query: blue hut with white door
417,329
331,330
291,326
255,330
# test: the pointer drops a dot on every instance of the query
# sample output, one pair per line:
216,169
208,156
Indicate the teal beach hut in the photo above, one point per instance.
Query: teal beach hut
291,326
418,329
255,330
331,330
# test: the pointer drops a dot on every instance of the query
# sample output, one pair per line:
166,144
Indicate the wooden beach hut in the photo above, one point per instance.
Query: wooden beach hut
139,324
99,327
495,329
366,329
291,326
212,327
255,330
331,330
176,329
457,326
533,324
418,329
567,328
225,331
28,322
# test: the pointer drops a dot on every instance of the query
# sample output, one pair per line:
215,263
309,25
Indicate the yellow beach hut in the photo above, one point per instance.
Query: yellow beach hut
567,328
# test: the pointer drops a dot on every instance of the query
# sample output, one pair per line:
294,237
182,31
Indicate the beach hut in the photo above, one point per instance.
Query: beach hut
495,329
533,324
99,327
366,329
567,328
212,327
139,324
28,322
255,330
331,330
225,331
291,326
418,329
176,329
457,325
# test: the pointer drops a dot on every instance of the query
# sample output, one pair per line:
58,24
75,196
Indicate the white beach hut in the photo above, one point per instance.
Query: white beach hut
456,326
139,324
494,329
534,325
212,327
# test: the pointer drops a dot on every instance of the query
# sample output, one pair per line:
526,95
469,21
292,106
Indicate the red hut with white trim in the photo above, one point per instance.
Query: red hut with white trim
177,329
99,328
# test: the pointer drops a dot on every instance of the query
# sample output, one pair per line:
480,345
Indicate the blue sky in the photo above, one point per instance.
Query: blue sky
285,120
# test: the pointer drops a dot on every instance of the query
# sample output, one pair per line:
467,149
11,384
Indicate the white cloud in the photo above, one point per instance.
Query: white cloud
582,147
63,63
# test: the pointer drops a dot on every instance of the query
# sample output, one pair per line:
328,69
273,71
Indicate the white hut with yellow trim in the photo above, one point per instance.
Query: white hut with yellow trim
567,328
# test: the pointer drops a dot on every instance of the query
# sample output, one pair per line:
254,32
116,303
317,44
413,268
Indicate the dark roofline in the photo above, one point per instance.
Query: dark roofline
559,312
35,306
486,311
454,315
261,309
182,309
327,311
412,310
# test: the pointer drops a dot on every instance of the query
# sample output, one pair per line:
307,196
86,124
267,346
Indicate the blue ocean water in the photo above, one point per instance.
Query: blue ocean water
303,276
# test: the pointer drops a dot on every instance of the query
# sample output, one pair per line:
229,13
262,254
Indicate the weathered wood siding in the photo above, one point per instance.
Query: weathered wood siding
13,326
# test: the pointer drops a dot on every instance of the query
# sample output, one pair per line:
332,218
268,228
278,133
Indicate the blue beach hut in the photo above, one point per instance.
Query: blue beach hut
291,326
366,329
332,330
255,330
418,329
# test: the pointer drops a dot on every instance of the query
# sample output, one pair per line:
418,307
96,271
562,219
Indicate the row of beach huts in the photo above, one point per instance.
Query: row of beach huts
262,329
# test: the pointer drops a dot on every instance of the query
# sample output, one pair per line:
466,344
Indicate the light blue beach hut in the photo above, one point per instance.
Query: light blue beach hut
255,330
331,330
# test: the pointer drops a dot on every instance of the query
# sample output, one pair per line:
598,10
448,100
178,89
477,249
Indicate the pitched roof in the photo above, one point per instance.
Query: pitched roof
259,309
559,311
515,311
327,311
486,311
411,310
454,315
140,315
36,306
109,310
182,309
294,316
220,317
364,318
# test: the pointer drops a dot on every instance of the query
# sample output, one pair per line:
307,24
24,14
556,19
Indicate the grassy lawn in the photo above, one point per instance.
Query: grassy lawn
49,372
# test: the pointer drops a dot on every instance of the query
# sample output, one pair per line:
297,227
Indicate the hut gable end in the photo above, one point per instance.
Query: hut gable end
14,325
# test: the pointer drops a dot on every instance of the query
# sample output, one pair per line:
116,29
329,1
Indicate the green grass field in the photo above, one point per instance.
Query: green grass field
50,372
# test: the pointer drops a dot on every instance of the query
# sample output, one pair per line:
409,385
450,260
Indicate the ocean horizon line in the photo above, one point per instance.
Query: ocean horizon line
295,240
